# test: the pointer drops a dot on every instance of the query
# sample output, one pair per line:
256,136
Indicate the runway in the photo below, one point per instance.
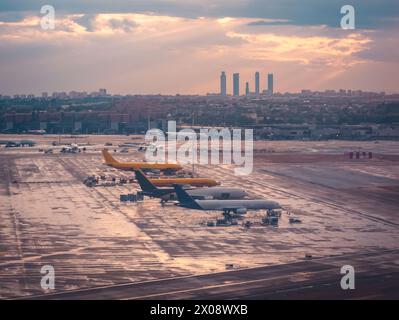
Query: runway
308,279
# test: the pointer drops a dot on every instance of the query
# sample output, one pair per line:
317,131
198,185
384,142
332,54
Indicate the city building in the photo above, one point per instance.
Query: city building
223,90
236,84
270,84
247,89
257,83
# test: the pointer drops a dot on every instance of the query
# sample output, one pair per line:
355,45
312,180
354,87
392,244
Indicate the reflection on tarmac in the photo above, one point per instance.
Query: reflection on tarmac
47,216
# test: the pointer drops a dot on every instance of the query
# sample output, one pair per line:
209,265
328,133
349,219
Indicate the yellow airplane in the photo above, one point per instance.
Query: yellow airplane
131,166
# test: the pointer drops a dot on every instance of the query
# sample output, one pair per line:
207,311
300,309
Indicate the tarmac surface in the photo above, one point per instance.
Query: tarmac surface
310,279
348,210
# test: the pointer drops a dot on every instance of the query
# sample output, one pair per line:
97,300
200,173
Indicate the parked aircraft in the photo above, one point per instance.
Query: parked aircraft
166,194
74,148
131,166
152,147
195,182
227,206
37,131
21,143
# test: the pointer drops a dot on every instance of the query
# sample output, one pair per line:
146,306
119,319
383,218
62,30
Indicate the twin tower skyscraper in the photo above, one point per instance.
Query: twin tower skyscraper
236,85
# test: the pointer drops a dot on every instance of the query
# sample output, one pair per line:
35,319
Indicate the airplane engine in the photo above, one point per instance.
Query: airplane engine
241,211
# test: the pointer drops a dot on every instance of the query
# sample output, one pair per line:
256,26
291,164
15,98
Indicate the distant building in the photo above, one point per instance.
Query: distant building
59,95
247,88
223,90
257,83
44,95
270,84
236,84
73,94
94,94
102,92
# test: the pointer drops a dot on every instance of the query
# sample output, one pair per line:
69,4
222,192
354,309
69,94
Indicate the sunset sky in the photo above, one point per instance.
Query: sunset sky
181,46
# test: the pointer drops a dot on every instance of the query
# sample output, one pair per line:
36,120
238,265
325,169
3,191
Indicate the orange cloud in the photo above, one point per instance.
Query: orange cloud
175,54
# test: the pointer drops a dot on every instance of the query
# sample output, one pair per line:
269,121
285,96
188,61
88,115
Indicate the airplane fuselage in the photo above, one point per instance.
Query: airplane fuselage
233,205
131,166
212,192
126,166
197,182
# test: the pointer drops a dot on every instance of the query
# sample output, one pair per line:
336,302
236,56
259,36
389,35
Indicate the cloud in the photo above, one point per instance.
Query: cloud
124,24
269,22
98,22
385,47
86,21
370,14
184,52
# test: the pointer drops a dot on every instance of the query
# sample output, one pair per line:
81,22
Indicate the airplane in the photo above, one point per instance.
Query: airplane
13,144
37,131
152,147
74,148
131,166
22,143
227,206
195,182
28,143
166,194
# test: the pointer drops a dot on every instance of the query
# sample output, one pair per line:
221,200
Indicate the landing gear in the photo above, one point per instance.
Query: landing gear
271,218
227,216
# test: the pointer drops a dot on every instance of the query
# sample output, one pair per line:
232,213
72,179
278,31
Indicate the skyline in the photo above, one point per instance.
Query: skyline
257,84
77,94
176,47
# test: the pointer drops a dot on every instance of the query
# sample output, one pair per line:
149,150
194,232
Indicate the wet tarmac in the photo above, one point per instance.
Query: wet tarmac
49,217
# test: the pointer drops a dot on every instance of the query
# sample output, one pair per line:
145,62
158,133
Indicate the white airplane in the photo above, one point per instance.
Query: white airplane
168,194
73,149
227,206
152,147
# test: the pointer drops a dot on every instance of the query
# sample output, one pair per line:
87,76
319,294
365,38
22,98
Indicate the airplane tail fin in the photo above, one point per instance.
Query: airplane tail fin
184,198
144,182
107,157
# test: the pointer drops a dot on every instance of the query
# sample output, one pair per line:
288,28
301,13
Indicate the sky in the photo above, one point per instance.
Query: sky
181,46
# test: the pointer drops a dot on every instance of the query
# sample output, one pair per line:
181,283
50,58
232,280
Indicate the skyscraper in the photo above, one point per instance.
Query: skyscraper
257,83
270,84
223,90
247,88
236,84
